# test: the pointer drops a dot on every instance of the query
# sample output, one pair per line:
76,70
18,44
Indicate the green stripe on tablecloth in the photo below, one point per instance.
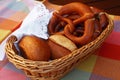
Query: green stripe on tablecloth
77,75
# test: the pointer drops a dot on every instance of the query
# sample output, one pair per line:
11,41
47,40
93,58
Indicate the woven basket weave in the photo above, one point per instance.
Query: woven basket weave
55,69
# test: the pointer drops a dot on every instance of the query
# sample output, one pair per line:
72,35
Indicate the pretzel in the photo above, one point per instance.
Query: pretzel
101,21
101,16
78,22
55,30
79,8
72,8
86,37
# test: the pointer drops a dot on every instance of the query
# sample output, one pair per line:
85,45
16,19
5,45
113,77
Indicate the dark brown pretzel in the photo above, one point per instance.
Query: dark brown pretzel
86,37
101,16
101,21
55,30
70,16
81,9
69,29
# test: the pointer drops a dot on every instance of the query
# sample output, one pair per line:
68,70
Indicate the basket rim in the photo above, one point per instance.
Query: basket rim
109,27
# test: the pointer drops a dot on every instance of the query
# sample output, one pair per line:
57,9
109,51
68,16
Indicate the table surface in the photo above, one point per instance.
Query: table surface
105,65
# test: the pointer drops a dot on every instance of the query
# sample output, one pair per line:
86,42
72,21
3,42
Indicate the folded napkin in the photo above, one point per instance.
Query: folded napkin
34,24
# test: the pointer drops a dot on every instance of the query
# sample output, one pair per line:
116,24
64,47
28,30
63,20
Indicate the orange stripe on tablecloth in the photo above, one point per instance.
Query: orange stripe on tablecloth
7,24
111,51
18,16
108,68
117,18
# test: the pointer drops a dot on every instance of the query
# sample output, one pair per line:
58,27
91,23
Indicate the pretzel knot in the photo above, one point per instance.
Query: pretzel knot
78,22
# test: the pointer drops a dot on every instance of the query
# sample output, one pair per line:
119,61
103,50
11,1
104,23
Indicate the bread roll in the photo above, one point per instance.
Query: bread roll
34,48
60,46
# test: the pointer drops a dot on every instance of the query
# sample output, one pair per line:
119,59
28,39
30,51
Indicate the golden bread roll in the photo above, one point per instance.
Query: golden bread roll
60,46
34,48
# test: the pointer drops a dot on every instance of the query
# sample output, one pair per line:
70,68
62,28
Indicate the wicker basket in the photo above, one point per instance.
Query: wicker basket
55,69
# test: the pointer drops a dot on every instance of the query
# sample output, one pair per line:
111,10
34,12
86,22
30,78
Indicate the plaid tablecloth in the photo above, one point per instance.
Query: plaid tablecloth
104,65
12,13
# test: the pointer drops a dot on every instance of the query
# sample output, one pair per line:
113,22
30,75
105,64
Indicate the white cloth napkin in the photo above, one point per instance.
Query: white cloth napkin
34,24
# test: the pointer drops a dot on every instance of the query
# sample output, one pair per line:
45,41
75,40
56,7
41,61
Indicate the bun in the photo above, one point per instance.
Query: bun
60,46
34,48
